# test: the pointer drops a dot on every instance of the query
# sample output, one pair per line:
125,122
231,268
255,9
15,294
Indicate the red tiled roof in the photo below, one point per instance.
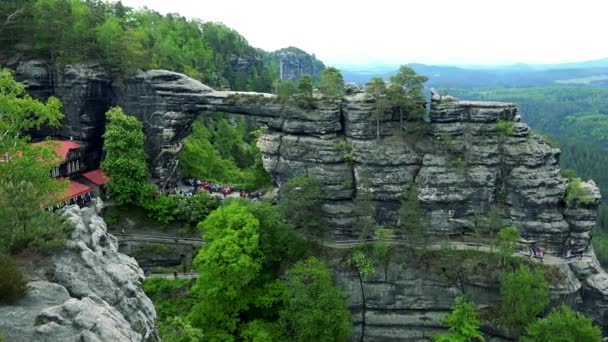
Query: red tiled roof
62,147
96,176
76,189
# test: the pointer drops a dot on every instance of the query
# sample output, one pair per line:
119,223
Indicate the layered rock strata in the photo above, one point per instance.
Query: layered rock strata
86,91
90,292
408,300
461,161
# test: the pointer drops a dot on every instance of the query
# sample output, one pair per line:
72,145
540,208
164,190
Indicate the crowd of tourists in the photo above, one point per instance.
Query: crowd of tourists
195,186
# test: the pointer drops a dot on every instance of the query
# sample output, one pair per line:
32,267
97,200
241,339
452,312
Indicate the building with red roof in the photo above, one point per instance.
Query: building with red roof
72,158
97,177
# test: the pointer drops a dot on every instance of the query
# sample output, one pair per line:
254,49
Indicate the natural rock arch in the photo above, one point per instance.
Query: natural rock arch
456,179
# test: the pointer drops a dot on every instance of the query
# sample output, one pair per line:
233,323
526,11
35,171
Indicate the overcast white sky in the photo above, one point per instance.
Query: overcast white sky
399,31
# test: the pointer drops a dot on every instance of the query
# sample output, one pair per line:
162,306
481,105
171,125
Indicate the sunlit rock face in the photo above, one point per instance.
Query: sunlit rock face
91,292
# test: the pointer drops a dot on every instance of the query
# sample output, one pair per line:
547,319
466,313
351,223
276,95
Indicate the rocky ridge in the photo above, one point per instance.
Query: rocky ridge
460,161
90,291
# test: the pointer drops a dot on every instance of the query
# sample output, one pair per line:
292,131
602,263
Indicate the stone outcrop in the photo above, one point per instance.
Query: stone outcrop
460,161
91,292
86,91
408,300
294,63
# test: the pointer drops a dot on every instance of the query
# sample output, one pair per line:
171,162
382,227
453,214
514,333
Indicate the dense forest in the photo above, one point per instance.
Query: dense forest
68,31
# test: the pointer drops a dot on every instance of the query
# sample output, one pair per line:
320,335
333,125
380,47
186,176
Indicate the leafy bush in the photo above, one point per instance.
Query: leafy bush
524,295
463,322
194,209
314,309
220,152
13,285
568,173
563,325
576,194
346,149
161,208
505,126
177,329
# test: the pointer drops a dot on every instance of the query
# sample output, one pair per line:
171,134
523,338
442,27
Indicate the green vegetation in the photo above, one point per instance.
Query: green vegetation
305,85
524,295
576,194
13,286
508,237
463,323
124,158
364,208
591,127
314,310
412,222
563,325
505,126
70,31
25,186
332,83
346,148
248,287
376,88
600,245
405,93
219,152
301,205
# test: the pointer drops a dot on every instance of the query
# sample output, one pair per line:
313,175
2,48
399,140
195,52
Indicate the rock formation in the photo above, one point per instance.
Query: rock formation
460,161
86,92
294,63
89,292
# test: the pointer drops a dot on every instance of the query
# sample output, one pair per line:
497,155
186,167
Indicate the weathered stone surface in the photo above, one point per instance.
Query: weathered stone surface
92,264
167,103
295,63
460,162
95,293
86,91
407,301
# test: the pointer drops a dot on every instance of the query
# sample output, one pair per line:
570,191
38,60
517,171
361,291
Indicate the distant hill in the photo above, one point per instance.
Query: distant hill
511,76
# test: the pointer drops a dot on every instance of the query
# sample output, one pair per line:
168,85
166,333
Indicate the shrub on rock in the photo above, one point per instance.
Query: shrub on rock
12,283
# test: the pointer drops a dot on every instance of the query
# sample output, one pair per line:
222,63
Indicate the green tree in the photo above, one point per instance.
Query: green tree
305,85
364,207
51,22
563,325
124,157
376,88
412,222
228,264
13,285
524,295
301,204
176,329
463,323
508,237
405,93
26,187
332,83
313,310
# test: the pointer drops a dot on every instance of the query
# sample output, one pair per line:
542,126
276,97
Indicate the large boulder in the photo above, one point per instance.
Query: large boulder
92,292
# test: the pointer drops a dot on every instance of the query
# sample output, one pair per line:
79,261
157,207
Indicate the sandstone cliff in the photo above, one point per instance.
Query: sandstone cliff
460,161
86,292
294,63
